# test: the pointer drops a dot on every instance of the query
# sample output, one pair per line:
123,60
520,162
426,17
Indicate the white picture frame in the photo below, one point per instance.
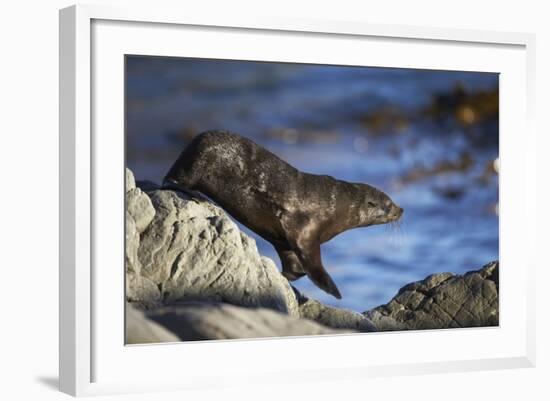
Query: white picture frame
90,359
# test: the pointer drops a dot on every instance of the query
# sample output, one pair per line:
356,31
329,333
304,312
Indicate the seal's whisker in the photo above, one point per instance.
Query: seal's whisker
396,228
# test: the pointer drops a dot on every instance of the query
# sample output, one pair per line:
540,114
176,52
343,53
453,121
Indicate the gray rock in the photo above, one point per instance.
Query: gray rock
138,204
142,291
141,330
182,248
191,250
335,317
203,321
132,244
130,180
443,301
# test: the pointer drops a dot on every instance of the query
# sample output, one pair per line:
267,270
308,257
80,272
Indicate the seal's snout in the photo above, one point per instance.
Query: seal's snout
395,213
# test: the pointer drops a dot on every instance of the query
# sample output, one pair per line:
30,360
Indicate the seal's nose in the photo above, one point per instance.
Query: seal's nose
396,212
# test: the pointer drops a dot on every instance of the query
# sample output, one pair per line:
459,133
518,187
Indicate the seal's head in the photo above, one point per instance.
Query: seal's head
378,208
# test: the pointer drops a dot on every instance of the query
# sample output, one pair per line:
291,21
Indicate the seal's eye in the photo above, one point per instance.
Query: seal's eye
372,204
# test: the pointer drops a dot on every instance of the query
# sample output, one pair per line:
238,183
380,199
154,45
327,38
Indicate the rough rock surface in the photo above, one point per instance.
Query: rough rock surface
334,317
443,301
142,292
138,204
142,330
132,245
139,208
203,321
190,250
196,274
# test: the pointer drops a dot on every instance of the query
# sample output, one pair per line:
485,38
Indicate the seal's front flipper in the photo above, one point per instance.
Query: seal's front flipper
309,254
292,267
321,278
302,237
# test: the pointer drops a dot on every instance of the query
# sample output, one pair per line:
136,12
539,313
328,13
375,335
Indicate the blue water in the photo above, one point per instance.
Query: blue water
311,117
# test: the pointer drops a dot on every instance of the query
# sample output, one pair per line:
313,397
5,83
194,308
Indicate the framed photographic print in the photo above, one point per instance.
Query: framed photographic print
353,196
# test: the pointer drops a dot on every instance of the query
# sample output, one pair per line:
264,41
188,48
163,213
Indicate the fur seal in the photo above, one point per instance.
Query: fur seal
295,211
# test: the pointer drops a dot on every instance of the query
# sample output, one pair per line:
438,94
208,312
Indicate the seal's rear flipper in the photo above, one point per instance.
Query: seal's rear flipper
321,278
